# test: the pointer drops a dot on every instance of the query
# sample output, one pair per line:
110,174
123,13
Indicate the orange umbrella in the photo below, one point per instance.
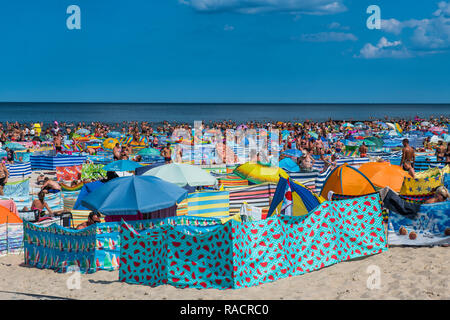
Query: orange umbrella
384,174
8,216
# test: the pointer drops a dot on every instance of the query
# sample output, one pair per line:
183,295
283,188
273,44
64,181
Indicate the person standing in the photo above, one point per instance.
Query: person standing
4,174
408,158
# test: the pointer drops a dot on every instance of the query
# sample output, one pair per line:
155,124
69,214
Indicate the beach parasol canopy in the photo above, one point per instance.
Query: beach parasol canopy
133,195
424,123
182,174
114,134
258,173
14,146
293,153
83,131
149,152
110,143
122,165
384,174
289,165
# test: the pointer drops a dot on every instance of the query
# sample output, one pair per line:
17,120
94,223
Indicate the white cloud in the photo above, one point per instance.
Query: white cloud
337,25
327,37
384,49
428,34
317,7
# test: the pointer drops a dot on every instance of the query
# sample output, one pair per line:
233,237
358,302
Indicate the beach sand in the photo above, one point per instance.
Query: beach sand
405,273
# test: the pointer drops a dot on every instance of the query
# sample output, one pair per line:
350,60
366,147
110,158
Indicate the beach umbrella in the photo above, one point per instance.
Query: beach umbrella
384,174
425,123
14,146
133,195
149,152
289,165
293,153
313,134
122,165
258,173
109,143
347,125
114,134
83,131
182,174
435,139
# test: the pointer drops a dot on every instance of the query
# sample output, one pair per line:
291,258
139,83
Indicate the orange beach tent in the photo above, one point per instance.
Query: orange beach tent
384,174
348,181
8,216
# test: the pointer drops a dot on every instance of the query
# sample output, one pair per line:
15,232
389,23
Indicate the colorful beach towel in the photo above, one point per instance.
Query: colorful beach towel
430,226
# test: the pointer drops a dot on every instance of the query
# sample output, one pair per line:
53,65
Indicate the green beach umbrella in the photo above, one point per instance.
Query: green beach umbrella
149,152
183,174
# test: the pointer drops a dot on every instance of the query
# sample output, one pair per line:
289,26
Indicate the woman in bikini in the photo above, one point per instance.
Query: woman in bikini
40,204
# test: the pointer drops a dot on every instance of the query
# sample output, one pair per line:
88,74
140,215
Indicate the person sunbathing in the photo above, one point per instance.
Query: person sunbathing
50,186
440,195
93,218
392,201
40,204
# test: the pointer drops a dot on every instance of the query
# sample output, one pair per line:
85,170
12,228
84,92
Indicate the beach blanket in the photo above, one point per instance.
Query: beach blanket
430,226
238,255
68,173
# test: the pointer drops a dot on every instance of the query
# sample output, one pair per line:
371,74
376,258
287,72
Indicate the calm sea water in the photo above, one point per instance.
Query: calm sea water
118,112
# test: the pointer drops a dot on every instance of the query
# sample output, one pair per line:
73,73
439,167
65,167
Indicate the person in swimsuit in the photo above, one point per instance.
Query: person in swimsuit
440,152
40,204
166,153
93,218
116,152
363,150
50,186
408,158
57,142
4,174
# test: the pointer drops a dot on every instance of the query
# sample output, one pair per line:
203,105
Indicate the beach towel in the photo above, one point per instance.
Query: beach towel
209,204
69,173
238,255
430,226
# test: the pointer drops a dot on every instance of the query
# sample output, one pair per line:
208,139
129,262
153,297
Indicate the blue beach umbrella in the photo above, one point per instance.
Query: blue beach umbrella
289,165
134,194
114,134
122,165
83,131
293,153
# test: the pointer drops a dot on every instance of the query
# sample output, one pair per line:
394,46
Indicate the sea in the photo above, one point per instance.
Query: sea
190,112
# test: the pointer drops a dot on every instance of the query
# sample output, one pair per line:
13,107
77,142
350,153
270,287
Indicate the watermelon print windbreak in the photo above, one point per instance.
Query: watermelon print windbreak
240,255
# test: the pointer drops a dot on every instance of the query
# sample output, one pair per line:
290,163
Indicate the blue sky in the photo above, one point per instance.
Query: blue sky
225,51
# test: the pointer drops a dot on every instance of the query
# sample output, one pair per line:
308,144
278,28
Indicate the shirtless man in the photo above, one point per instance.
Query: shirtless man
363,150
50,186
92,219
116,152
4,174
440,195
408,158
306,161
57,142
167,153
440,152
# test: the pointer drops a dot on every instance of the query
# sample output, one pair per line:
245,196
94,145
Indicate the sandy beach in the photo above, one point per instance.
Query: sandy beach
405,273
